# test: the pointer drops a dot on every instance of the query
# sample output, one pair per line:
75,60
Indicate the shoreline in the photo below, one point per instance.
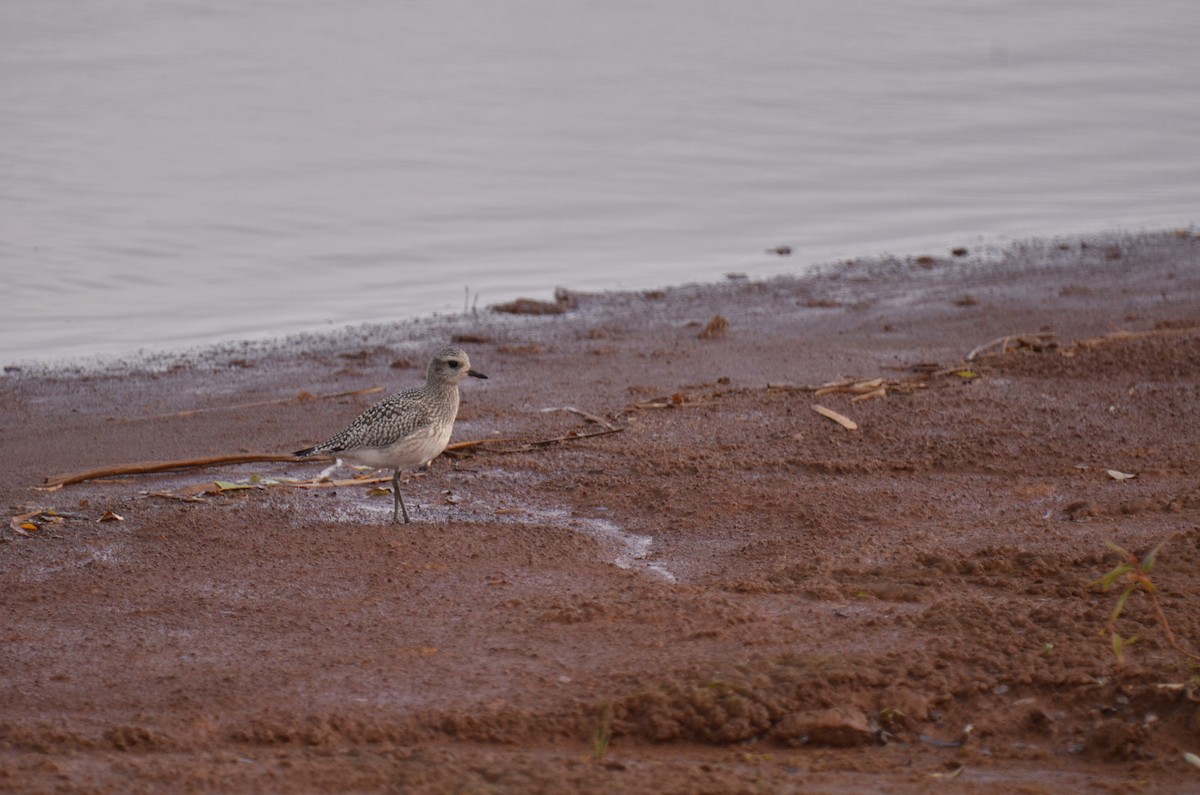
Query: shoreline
836,598
984,255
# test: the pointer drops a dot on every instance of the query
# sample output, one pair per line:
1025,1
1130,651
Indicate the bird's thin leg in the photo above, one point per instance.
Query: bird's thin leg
399,507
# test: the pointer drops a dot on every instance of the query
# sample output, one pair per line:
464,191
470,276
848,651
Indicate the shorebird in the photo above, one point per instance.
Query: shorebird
408,429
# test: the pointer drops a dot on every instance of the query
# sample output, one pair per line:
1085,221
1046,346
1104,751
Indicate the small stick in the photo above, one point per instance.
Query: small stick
664,403
875,393
1020,339
329,484
1162,618
1119,336
852,385
456,446
840,419
571,437
794,387
587,415
1002,341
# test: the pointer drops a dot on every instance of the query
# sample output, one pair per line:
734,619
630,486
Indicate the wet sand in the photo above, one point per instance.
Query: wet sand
728,593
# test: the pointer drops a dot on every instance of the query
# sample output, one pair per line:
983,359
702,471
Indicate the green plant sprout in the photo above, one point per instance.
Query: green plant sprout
1135,575
603,733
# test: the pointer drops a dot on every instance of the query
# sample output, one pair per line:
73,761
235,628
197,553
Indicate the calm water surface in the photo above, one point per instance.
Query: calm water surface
180,173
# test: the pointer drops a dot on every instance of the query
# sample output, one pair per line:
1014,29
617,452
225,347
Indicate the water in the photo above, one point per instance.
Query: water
178,173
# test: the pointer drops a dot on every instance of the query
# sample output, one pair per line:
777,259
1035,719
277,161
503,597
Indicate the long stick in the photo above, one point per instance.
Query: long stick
149,467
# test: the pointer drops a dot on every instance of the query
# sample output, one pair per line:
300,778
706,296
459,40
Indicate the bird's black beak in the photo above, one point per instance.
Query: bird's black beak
475,374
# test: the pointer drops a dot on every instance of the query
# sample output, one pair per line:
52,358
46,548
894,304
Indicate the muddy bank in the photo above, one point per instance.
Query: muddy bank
731,592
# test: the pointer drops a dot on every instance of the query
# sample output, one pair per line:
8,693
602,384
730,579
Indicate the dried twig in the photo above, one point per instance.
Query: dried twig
874,393
1037,341
569,437
55,482
1042,340
168,495
793,387
675,401
331,484
840,419
456,446
587,415
978,349
853,386
148,467
1123,336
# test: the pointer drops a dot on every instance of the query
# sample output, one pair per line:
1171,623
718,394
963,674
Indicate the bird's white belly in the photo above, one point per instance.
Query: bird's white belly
411,451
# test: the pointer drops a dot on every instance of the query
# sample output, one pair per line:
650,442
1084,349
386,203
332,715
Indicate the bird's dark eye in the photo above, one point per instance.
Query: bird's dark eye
453,364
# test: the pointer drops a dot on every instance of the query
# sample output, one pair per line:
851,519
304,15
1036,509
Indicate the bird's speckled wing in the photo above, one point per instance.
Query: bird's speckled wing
385,423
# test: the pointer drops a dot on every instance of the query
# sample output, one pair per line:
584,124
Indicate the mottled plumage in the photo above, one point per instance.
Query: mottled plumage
408,429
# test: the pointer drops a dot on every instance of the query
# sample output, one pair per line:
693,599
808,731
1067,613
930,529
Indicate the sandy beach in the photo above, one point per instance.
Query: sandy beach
660,570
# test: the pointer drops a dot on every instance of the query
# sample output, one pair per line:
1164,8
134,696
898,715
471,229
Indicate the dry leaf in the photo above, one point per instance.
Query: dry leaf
840,419
1117,475
1191,759
225,485
21,524
109,516
952,774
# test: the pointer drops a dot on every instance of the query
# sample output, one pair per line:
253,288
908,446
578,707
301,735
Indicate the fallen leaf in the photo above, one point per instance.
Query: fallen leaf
1191,759
966,374
109,516
21,524
225,485
379,493
952,774
840,419
1117,475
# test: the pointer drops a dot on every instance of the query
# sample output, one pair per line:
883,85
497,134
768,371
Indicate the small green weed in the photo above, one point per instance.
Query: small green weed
1134,574
603,733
